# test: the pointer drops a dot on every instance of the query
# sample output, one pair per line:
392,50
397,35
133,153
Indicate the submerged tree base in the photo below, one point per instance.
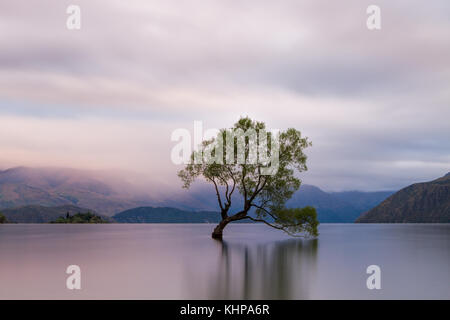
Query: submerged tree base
217,236
218,230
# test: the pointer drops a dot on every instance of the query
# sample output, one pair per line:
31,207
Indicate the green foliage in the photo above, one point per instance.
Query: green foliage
80,218
266,194
297,220
3,219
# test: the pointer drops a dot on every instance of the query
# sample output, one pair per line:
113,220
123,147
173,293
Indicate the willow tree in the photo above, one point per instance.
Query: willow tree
260,167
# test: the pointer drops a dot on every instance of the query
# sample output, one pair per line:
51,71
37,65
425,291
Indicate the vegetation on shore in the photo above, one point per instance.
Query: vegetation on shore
3,219
80,218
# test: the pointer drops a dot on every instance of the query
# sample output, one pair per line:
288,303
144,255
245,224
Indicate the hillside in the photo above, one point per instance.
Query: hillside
427,202
40,214
165,215
52,187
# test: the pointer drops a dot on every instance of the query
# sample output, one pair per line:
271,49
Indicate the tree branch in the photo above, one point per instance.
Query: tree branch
244,173
238,216
234,184
276,227
265,210
257,191
217,193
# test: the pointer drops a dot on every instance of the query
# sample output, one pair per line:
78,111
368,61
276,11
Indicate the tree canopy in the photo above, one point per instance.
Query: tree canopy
262,166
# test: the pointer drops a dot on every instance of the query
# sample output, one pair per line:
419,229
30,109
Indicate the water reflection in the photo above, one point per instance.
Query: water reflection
279,270
183,262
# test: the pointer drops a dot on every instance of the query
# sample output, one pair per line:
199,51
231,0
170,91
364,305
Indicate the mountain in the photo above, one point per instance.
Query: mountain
426,202
165,215
109,193
336,207
332,207
362,201
51,187
40,214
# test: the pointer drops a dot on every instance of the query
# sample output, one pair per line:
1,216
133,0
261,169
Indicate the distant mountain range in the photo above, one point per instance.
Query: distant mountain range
31,195
427,202
332,207
337,207
109,195
165,215
40,214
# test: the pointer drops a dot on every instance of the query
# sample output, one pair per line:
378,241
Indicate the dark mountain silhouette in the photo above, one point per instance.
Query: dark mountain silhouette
165,215
41,214
427,202
337,206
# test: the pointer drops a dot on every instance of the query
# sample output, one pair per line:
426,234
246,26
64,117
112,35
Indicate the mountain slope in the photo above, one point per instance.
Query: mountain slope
40,214
362,201
336,207
165,215
427,202
50,187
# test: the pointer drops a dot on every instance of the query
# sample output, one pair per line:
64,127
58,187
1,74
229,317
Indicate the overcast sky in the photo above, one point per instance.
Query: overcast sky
376,104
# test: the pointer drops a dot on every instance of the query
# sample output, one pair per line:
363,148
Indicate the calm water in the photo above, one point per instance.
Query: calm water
254,261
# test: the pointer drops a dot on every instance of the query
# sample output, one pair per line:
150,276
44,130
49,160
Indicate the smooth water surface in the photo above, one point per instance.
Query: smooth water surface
161,261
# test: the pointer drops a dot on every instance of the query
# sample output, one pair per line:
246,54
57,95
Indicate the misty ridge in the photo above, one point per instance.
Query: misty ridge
111,192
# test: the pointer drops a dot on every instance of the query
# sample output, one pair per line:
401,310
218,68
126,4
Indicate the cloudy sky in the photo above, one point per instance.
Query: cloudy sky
375,103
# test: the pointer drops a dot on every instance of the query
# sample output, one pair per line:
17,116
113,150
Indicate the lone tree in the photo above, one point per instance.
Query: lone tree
265,184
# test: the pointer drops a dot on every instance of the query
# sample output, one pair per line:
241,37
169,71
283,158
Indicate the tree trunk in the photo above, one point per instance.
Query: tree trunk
218,230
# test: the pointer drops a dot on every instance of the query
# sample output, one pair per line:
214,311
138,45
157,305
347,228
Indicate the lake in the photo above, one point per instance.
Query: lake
181,261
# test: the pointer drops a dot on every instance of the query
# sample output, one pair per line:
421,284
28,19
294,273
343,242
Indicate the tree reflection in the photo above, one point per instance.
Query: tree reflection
280,270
